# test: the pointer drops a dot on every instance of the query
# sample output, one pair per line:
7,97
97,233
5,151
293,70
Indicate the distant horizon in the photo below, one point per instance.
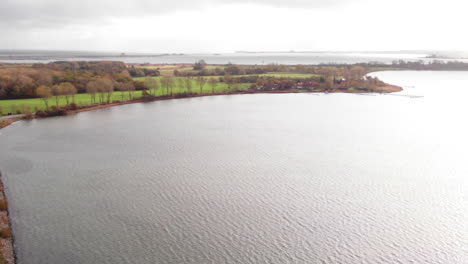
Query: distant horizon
416,51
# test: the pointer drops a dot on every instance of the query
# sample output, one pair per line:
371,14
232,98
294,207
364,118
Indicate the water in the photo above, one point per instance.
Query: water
236,58
284,178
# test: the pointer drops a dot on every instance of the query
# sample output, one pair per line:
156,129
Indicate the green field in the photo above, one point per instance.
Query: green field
85,99
38,104
291,75
220,87
288,75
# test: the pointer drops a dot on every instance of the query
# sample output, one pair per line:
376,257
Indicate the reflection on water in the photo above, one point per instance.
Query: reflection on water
285,178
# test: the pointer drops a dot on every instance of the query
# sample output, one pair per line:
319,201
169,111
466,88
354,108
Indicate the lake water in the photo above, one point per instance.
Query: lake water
273,178
224,58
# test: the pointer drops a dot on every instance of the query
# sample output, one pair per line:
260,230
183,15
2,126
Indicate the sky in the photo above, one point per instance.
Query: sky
199,26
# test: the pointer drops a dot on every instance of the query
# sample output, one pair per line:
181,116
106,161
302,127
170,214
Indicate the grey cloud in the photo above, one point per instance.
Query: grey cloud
38,13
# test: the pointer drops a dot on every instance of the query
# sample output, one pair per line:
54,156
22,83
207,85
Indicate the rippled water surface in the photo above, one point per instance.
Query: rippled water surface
291,178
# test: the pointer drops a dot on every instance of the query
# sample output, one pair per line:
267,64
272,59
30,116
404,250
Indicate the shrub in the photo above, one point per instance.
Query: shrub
1,110
52,112
73,106
3,205
5,232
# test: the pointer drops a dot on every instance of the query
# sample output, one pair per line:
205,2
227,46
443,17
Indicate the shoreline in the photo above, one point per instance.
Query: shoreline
7,248
384,89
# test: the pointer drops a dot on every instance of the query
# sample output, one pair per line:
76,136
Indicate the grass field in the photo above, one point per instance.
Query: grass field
291,75
38,104
288,75
85,99
180,88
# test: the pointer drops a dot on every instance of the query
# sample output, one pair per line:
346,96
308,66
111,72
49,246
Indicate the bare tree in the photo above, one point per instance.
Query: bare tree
180,84
188,85
167,83
213,83
228,80
201,83
152,84
171,84
45,92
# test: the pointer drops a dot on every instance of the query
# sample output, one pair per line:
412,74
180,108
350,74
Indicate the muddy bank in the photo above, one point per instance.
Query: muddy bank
7,253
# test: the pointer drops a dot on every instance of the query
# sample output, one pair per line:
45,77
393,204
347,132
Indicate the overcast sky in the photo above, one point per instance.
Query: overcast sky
229,25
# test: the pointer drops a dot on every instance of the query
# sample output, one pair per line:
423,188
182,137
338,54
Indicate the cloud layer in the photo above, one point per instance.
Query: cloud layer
228,25
51,12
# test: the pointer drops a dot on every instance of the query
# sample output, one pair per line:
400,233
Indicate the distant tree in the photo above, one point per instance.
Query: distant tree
228,80
168,83
188,85
213,83
260,82
45,92
357,72
44,78
233,69
57,92
199,65
129,87
105,88
235,84
152,84
92,89
171,85
68,90
201,83
180,84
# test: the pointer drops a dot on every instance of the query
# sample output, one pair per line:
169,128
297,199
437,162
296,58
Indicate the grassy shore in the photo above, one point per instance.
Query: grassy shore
35,104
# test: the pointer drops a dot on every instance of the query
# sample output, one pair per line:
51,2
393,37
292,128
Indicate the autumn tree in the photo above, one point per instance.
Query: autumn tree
45,92
57,92
129,87
68,90
357,72
105,88
92,89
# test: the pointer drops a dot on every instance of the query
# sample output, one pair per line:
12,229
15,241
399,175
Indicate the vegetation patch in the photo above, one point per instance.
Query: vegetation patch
5,232
3,205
